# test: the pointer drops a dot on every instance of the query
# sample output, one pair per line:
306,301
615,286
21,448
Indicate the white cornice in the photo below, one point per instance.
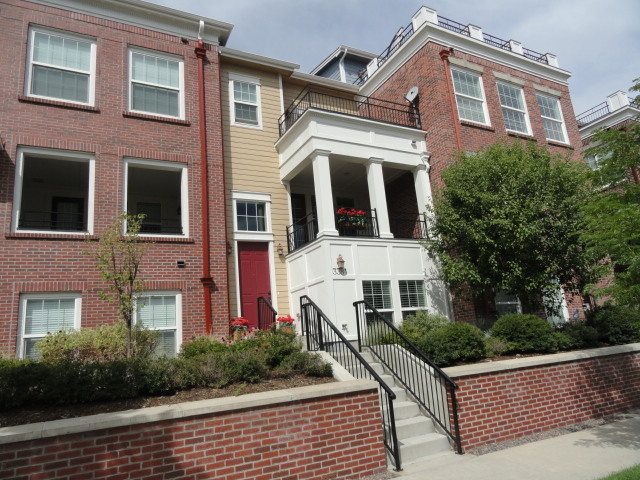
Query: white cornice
150,16
430,32
324,82
258,59
614,118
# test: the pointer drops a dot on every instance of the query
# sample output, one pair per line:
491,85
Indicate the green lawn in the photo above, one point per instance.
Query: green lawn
632,473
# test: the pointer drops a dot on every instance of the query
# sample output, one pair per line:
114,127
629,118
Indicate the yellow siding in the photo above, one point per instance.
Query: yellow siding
251,164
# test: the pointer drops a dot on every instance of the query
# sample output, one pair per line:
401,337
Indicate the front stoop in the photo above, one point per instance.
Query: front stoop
416,432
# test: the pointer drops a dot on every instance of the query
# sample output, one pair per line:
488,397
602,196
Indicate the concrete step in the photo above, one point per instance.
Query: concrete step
401,394
421,446
402,410
414,427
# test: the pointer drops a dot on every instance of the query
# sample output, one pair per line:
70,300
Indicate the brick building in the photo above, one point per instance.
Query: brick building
100,115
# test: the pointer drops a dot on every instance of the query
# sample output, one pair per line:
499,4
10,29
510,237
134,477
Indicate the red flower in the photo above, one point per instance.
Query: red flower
287,319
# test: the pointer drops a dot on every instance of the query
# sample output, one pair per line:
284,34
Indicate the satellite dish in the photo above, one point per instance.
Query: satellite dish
411,95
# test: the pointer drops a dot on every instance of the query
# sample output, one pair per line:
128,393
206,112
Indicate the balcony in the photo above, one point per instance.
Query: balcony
354,106
361,224
593,114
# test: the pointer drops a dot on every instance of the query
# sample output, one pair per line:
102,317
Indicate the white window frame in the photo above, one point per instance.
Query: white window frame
561,121
387,309
184,192
55,155
524,111
25,297
71,36
236,77
246,235
412,308
180,89
485,109
164,293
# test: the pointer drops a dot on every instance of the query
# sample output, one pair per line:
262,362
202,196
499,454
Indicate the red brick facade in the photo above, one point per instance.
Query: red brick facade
502,405
426,70
335,437
53,262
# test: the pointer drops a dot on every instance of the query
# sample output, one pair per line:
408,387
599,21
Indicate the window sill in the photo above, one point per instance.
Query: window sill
466,123
167,239
155,118
559,144
58,103
51,236
524,136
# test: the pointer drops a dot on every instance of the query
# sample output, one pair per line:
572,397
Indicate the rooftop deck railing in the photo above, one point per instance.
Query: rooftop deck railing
593,114
404,34
354,106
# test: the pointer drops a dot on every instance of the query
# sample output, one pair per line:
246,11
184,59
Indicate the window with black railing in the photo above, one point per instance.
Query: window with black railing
408,225
301,232
355,106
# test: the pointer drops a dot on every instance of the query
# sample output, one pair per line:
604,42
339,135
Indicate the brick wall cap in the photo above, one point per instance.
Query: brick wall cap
34,431
530,362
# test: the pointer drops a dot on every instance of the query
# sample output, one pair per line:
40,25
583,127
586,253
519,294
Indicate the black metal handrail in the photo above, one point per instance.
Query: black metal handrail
593,114
408,225
161,225
433,389
353,106
266,314
398,40
323,335
52,220
358,225
453,25
535,56
496,41
301,232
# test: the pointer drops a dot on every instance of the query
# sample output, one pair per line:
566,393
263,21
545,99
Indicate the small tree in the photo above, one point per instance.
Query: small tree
118,259
508,219
613,228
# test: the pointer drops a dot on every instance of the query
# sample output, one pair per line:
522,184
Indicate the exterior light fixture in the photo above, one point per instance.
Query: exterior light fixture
279,249
340,270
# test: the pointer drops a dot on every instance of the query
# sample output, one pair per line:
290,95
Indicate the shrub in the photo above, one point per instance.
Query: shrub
526,333
304,363
579,335
563,341
423,322
201,346
455,342
280,345
105,343
615,324
496,346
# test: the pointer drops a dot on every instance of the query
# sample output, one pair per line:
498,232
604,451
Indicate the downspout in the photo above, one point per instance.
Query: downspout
207,281
444,55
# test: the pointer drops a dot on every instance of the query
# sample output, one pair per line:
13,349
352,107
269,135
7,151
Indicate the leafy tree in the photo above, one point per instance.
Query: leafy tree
508,218
613,228
118,259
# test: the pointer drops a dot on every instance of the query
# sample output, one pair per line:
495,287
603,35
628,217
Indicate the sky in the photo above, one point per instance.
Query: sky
596,41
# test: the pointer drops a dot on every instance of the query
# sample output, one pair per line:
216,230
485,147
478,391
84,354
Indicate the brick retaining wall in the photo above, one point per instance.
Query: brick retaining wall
503,400
319,432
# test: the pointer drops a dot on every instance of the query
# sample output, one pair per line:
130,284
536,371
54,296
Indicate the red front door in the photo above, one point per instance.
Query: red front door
253,262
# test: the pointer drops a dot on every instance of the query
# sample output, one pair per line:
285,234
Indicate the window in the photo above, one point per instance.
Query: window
53,192
41,314
162,312
552,118
250,216
245,95
157,190
156,84
412,296
470,96
61,66
514,110
507,303
378,294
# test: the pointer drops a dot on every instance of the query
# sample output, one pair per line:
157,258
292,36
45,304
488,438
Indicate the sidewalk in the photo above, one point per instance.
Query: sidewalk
586,455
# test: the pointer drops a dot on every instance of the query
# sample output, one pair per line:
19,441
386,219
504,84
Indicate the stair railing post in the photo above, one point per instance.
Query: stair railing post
358,310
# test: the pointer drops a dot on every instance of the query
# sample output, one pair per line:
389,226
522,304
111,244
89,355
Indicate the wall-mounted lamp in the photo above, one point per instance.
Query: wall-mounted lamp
279,249
229,248
340,270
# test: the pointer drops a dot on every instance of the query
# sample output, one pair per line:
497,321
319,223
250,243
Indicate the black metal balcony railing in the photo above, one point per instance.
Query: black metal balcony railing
358,225
162,226
301,232
408,226
355,106
52,220
456,27
593,114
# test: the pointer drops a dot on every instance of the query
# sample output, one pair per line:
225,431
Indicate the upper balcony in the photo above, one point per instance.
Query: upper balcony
370,108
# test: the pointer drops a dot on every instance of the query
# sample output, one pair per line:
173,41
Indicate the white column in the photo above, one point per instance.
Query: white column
378,196
423,186
324,194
